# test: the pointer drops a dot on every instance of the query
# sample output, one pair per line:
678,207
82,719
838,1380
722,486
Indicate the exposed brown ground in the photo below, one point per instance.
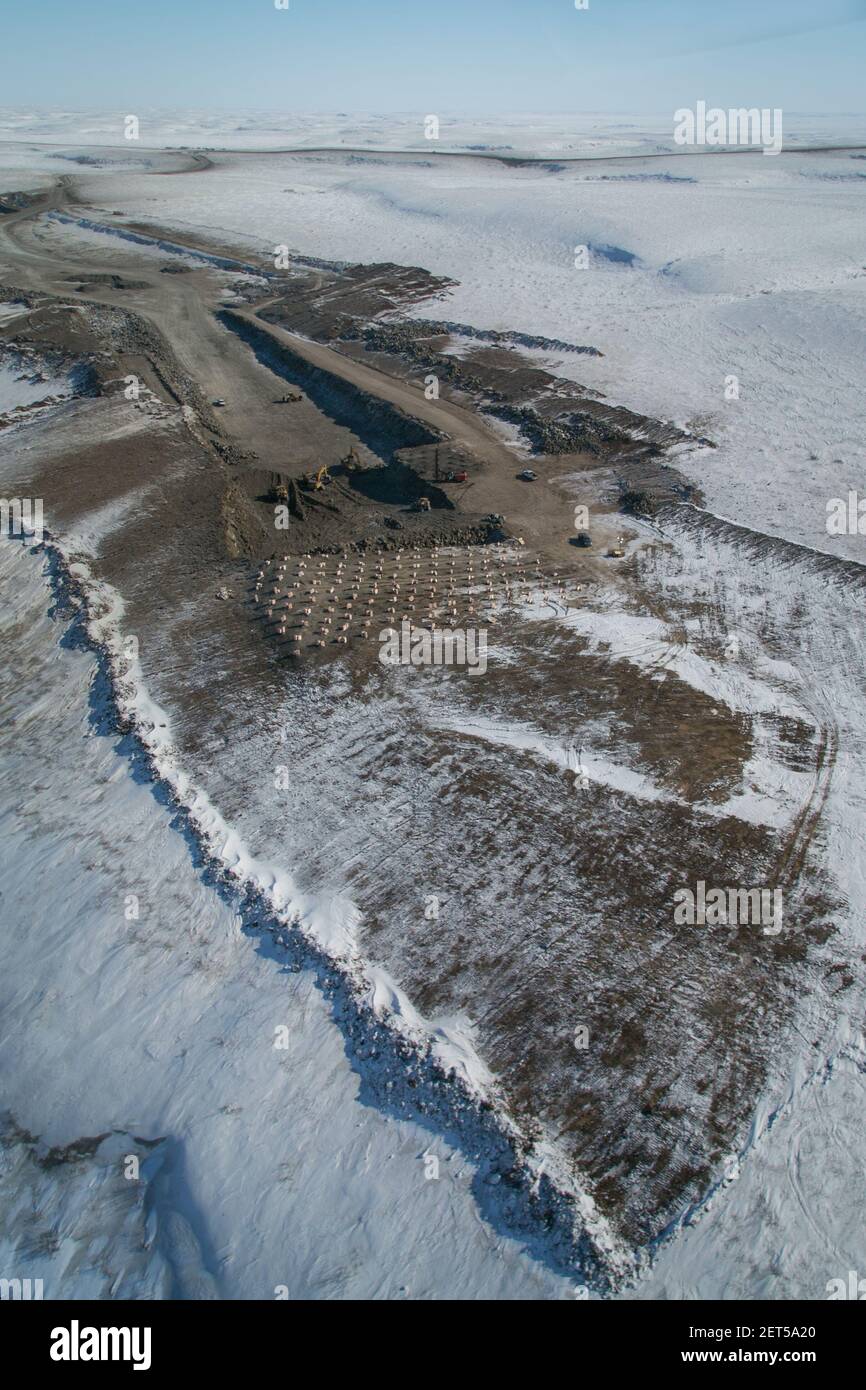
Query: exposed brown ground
556,899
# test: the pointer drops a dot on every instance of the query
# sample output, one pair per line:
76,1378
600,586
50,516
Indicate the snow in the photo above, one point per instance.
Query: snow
772,797
648,644
271,1169
262,1169
11,311
782,1228
547,134
18,387
747,268
743,267
526,740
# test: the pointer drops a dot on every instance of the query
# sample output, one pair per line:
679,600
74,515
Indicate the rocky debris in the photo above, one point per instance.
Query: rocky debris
400,340
15,294
359,294
93,161
330,304
437,327
35,360
638,503
14,202
109,281
357,304
129,333
569,433
233,454
476,533
411,340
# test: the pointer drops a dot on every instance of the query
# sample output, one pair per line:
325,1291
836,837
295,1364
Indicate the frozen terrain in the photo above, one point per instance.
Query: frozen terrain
327,1196
261,1166
699,270
566,135
19,388
726,292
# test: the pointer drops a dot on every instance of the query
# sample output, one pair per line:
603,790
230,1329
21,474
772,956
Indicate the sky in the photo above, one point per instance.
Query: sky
471,56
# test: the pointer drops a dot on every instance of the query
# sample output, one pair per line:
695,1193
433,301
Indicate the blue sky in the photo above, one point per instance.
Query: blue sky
475,56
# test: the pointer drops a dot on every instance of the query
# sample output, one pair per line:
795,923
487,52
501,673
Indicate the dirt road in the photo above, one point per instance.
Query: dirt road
44,257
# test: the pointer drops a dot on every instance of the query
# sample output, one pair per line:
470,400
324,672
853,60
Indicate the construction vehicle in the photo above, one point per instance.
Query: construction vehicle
459,477
316,481
423,504
278,491
527,476
352,461
289,398
616,553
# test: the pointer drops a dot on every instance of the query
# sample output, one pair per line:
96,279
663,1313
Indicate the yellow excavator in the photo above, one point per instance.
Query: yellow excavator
322,477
